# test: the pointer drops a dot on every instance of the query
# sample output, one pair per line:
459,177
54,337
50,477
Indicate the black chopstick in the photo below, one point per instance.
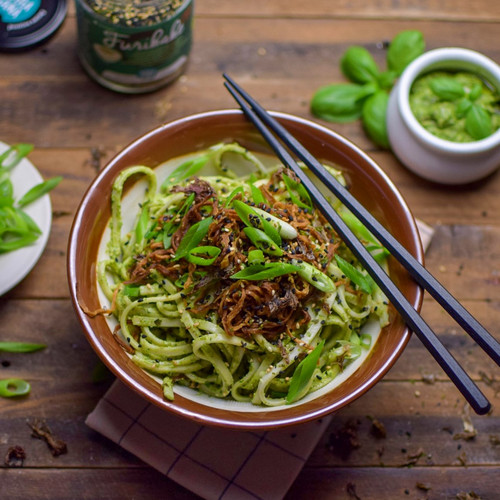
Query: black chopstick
419,273
415,322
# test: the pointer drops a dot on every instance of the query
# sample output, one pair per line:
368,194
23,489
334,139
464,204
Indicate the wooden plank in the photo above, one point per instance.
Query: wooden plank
20,484
44,91
479,10
389,483
323,483
431,423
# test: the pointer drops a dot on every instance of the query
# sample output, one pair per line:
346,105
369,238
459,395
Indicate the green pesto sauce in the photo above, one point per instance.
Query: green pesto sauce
439,117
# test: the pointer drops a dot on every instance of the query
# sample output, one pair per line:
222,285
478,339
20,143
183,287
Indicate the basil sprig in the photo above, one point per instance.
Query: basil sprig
193,237
303,374
367,96
363,281
21,347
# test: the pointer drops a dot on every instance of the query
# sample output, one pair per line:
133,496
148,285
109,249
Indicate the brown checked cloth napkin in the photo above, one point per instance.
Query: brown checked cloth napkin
205,459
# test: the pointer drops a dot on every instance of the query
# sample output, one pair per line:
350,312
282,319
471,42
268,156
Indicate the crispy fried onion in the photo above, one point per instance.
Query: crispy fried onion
245,308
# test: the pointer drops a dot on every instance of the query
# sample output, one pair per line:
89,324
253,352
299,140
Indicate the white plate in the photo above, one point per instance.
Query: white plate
15,265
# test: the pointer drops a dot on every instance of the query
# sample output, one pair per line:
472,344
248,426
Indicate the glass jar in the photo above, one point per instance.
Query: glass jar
134,46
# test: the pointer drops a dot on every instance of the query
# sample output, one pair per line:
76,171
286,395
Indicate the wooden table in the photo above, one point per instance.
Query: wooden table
281,51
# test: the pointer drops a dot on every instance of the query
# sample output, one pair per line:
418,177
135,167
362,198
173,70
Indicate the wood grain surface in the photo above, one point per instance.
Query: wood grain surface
281,51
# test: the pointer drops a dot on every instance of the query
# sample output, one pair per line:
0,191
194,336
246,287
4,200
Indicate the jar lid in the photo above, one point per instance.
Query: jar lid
24,24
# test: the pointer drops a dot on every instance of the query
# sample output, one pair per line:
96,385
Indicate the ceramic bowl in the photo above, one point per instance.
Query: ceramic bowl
425,154
198,132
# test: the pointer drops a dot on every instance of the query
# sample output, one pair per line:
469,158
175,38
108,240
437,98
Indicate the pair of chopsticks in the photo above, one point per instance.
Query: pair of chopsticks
271,130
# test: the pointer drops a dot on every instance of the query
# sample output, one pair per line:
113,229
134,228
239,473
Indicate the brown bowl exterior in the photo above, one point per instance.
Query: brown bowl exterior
369,184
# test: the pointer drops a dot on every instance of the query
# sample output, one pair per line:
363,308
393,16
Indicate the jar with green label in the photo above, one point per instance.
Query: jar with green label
134,46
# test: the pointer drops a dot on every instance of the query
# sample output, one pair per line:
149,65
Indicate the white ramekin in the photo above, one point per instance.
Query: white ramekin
425,154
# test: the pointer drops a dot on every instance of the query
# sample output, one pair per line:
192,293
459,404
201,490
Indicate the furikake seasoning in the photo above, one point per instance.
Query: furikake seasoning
135,12
134,46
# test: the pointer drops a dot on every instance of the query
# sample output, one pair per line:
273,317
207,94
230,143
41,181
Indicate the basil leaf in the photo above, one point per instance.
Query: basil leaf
358,65
374,118
266,271
478,122
363,281
303,374
20,347
404,48
386,79
192,237
462,107
262,241
475,91
446,88
185,170
197,255
339,103
39,190
13,387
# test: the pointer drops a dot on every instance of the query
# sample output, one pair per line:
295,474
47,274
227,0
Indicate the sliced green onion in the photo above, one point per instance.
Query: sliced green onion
314,276
232,194
366,340
378,251
196,254
142,223
6,192
262,241
364,281
255,257
131,290
180,282
185,170
298,193
10,158
193,236
254,219
285,230
20,347
266,271
257,195
303,374
12,387
170,227
39,190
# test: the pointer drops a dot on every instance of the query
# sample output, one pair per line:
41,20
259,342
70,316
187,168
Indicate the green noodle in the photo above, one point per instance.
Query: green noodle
157,318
